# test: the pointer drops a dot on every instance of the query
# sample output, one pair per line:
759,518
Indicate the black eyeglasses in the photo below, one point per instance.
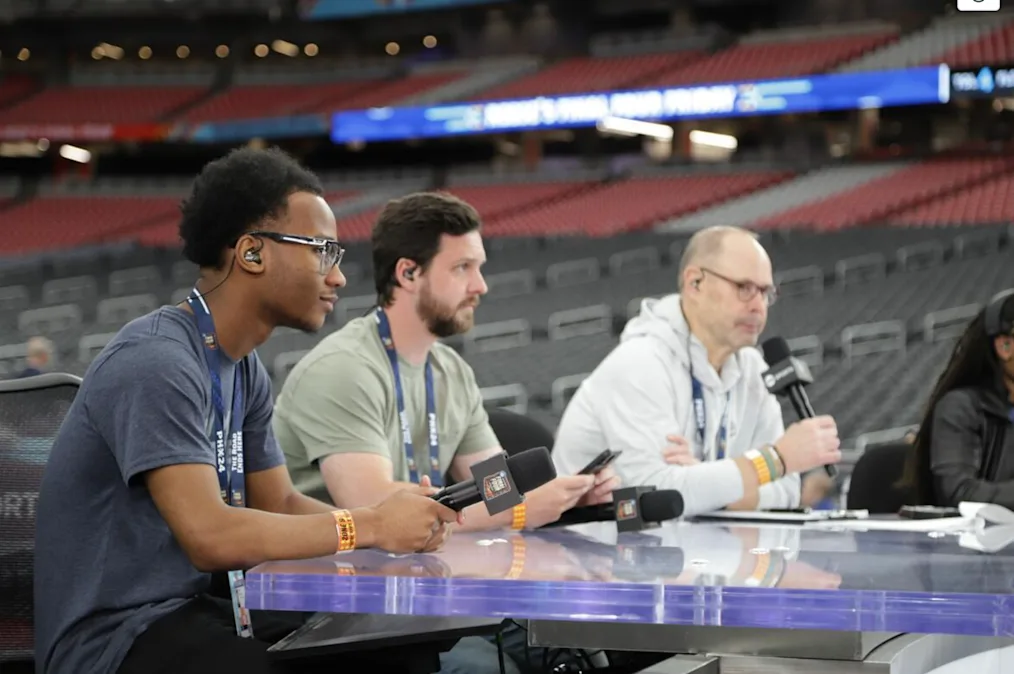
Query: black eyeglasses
747,290
331,252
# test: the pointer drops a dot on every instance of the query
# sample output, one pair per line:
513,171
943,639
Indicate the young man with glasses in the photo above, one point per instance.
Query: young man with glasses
166,470
682,396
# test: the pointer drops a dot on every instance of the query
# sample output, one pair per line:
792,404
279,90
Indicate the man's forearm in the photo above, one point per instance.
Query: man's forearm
477,518
245,537
359,497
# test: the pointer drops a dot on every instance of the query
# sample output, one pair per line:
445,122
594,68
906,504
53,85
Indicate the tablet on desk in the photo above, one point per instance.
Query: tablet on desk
791,515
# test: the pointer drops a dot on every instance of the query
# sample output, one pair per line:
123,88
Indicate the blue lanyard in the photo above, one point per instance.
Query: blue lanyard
384,330
700,414
228,453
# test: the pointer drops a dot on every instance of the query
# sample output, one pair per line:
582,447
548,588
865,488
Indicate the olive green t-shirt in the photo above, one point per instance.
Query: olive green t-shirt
340,399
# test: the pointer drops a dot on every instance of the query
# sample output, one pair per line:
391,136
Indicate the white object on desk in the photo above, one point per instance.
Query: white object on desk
783,516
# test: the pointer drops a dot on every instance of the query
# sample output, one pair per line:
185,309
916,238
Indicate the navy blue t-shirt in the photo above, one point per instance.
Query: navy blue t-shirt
106,563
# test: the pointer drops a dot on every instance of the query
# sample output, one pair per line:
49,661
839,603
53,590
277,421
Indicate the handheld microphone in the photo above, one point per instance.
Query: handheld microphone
633,509
500,481
786,376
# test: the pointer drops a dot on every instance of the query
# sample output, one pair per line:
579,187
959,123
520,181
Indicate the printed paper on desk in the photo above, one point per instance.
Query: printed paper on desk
952,524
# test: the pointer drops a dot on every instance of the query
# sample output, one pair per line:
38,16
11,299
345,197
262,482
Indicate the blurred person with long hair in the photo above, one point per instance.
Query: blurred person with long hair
964,450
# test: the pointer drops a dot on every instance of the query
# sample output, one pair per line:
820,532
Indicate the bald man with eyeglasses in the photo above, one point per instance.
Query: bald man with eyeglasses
682,396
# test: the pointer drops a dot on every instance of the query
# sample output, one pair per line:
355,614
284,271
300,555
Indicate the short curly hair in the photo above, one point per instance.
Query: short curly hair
235,192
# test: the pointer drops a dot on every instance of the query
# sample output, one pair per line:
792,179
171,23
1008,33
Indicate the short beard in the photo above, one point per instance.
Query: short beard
440,321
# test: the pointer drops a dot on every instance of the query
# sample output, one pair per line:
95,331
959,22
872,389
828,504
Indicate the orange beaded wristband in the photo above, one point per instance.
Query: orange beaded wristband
520,517
346,529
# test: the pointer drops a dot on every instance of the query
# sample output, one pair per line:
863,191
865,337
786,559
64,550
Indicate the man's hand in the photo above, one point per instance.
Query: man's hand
545,504
410,521
606,482
809,443
677,452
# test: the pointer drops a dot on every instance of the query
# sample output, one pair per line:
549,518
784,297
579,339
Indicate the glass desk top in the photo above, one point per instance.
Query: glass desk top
683,573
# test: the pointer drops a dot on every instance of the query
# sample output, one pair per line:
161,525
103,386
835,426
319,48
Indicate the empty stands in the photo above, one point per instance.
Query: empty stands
992,48
990,201
589,74
874,201
628,204
929,45
815,185
100,105
751,60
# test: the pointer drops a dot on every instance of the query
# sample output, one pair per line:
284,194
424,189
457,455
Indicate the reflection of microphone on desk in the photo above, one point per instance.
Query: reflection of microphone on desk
500,481
642,557
632,508
786,376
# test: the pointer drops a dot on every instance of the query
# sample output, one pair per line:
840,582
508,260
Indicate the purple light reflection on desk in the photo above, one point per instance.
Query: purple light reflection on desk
681,574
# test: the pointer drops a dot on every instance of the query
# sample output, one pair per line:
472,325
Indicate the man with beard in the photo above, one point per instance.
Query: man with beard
339,415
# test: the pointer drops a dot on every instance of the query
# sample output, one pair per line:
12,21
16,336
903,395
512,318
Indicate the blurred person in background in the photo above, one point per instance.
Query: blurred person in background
339,415
964,449
139,513
38,357
682,395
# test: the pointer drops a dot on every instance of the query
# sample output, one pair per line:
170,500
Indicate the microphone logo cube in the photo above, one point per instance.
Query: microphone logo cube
496,485
626,509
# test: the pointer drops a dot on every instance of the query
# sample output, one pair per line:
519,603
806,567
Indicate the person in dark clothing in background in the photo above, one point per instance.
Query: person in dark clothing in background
964,450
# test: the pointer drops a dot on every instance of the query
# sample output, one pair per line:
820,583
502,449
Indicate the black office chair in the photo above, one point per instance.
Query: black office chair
31,412
877,471
517,432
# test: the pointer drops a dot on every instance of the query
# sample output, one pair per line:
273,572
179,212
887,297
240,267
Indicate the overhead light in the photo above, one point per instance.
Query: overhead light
392,48
634,127
222,50
24,54
429,41
311,49
144,53
106,50
711,139
261,50
182,51
74,153
285,48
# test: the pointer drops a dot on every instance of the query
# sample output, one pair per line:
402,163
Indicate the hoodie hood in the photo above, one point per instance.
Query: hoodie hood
662,321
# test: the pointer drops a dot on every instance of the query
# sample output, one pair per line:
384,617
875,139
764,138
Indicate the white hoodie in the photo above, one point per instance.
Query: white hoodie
641,393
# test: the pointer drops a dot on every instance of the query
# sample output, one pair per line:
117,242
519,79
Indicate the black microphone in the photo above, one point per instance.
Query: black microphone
633,509
786,376
500,481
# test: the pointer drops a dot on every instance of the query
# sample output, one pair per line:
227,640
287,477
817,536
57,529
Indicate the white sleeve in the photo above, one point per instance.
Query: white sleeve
636,403
783,493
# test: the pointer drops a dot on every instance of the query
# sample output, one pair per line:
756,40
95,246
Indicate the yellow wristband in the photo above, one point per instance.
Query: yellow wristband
760,464
346,529
520,517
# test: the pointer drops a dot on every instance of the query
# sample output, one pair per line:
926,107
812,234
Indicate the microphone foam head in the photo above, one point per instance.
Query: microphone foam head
531,468
661,505
776,350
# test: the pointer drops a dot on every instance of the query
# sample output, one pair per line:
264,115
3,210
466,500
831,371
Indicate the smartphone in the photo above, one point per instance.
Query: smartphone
599,463
927,512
